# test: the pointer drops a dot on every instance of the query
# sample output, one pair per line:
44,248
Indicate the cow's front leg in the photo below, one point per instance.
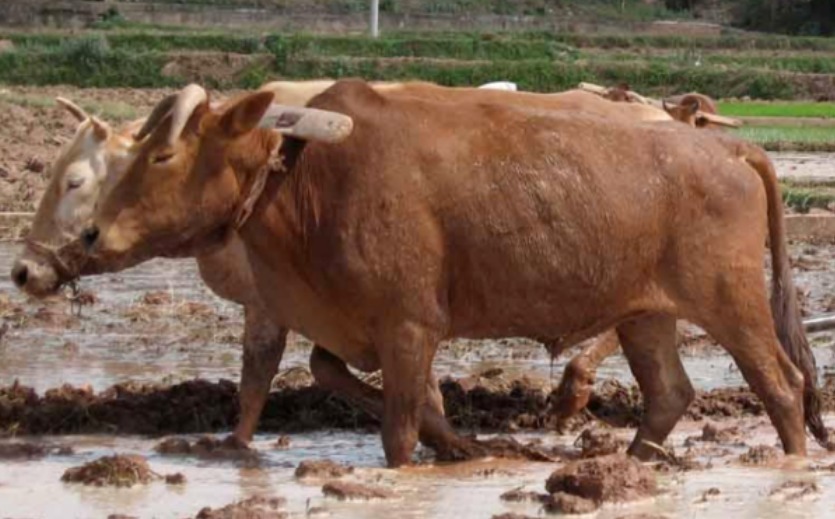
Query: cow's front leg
264,345
405,355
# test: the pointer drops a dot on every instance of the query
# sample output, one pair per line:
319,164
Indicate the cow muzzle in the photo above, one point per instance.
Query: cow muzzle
36,278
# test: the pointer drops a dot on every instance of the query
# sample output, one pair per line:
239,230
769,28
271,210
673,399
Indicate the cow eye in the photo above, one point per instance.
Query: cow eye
75,183
162,157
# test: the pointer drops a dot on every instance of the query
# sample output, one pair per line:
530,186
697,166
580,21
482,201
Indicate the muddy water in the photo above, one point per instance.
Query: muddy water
804,165
196,334
467,490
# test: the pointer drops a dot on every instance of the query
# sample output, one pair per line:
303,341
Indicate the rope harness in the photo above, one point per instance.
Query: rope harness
274,165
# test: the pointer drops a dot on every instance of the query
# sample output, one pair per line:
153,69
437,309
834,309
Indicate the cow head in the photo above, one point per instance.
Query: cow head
698,111
78,175
191,172
619,93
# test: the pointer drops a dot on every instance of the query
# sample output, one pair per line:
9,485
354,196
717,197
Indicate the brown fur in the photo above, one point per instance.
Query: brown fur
474,219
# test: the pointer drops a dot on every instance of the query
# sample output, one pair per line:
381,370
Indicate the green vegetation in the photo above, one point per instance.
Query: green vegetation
790,138
538,61
781,109
803,197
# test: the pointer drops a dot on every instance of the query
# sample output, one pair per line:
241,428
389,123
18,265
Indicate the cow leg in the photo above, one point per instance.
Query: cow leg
405,354
649,344
744,327
264,345
577,383
332,374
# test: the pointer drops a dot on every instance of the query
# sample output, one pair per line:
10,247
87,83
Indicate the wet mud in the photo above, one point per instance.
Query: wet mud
322,469
613,478
116,471
351,491
200,406
208,447
255,507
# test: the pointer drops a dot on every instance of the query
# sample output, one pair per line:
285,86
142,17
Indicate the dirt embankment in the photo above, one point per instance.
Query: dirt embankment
202,406
33,128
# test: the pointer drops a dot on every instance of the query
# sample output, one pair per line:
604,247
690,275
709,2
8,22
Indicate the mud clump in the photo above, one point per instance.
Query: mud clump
199,406
713,433
795,490
563,503
207,447
322,469
349,491
194,406
760,455
18,450
175,479
709,494
282,443
252,508
497,403
117,471
613,478
499,447
156,298
594,443
517,495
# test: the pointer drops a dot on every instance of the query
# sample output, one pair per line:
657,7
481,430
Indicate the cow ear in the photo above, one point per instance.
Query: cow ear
245,114
694,106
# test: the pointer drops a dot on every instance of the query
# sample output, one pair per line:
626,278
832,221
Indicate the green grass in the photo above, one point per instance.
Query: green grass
790,138
777,109
542,62
801,198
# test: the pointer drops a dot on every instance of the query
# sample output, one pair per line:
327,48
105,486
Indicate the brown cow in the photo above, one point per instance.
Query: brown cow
98,156
436,220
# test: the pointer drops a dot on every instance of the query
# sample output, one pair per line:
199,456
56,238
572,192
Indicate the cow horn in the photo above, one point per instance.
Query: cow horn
187,102
719,119
308,123
637,98
100,129
73,108
162,109
180,106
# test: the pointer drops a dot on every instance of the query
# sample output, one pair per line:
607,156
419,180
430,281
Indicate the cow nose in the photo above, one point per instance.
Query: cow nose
89,236
20,275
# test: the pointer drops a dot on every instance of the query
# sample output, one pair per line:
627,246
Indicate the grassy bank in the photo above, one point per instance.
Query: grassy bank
755,109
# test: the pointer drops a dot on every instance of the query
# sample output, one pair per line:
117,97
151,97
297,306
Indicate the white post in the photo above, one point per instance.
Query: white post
375,16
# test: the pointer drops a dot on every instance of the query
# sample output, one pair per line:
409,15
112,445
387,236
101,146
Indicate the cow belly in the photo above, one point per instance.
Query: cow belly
544,284
292,304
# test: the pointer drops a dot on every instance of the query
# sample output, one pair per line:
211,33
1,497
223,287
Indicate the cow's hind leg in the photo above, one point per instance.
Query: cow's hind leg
577,383
264,345
435,432
743,326
649,344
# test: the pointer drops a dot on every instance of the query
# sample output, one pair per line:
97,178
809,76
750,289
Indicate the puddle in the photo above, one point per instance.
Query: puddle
466,490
